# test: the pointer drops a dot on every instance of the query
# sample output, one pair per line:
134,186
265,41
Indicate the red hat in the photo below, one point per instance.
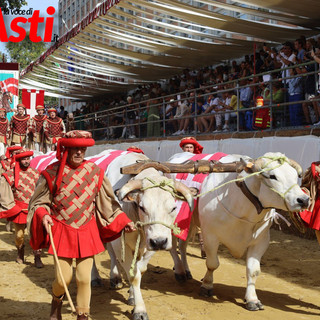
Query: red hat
39,107
11,149
52,110
72,139
21,105
22,153
135,149
197,146
3,109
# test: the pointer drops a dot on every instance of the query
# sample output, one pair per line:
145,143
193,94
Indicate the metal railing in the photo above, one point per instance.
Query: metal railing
140,123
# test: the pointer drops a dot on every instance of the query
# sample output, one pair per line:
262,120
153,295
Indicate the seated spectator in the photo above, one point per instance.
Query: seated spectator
171,122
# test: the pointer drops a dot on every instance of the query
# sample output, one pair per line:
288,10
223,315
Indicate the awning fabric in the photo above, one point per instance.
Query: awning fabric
122,44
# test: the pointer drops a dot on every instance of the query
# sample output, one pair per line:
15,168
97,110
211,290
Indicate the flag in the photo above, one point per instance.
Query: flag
32,98
11,85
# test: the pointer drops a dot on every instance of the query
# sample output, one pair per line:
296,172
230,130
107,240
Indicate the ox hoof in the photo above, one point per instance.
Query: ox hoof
131,301
140,316
181,278
188,275
254,306
206,292
96,283
116,283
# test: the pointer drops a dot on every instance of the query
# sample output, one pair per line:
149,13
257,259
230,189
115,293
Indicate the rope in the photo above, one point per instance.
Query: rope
139,226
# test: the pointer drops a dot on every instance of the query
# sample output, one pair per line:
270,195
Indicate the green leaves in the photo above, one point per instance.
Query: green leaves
12,4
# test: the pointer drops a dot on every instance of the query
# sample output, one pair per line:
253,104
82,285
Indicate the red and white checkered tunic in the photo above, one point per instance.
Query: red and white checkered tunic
4,130
19,124
53,128
74,203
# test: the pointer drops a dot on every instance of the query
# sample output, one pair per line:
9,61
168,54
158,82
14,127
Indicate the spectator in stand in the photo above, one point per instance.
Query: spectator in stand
171,123
298,45
153,109
246,99
130,117
62,113
183,110
295,92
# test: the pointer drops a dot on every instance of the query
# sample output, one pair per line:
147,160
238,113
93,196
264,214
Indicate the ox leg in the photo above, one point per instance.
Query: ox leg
95,276
254,255
179,270
183,251
115,274
211,245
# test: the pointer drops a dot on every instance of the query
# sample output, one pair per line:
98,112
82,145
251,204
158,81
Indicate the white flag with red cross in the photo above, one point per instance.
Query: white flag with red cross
32,98
11,85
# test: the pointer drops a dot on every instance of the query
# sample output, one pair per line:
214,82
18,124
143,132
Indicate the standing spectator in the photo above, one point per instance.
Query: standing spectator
54,129
298,45
153,109
62,113
130,117
246,95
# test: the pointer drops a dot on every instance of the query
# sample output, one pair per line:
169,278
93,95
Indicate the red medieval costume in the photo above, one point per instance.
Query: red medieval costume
19,125
82,205
8,162
4,129
54,129
311,181
36,128
17,186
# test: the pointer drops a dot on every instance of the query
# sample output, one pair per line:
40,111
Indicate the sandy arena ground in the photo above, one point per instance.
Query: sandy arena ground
289,286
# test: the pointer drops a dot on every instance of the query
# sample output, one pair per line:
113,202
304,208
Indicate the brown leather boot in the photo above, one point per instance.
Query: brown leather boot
56,305
82,316
37,258
20,257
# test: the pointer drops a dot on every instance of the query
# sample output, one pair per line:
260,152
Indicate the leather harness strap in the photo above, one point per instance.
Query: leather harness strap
254,200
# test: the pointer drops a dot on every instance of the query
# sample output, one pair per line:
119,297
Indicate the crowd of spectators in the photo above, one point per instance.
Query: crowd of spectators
206,100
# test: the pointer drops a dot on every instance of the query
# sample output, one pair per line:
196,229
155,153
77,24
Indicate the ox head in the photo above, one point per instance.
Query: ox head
278,187
155,202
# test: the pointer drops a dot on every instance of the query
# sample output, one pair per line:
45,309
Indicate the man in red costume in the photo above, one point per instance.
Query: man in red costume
4,127
36,129
16,187
77,200
19,125
311,182
54,129
7,161
190,144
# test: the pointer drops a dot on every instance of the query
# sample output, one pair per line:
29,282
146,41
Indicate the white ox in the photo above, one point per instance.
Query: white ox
227,216
142,201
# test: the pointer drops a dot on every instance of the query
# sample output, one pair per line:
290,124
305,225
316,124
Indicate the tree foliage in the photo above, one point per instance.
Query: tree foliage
12,4
25,52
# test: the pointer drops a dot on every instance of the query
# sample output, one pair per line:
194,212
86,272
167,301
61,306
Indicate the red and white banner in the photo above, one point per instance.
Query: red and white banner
32,98
11,85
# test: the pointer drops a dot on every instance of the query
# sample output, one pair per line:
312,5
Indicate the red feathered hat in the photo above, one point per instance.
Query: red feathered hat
197,146
39,107
3,109
21,105
22,153
52,110
135,149
72,139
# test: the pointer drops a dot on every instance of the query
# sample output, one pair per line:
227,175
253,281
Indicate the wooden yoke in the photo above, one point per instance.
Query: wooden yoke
199,166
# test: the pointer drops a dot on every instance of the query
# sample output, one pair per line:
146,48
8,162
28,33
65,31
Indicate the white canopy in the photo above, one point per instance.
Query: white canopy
122,43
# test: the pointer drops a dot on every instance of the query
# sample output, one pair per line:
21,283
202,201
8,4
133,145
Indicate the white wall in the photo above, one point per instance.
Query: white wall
303,149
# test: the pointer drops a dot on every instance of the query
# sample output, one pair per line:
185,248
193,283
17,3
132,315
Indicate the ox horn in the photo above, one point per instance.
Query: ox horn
297,166
128,187
258,163
184,190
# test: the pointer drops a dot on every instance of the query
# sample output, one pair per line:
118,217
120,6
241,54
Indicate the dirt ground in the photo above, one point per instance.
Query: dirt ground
289,285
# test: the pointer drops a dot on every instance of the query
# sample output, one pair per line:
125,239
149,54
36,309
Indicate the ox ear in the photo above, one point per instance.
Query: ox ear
132,196
194,191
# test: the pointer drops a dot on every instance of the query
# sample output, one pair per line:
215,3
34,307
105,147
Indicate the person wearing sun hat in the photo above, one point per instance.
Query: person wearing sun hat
77,200
190,144
19,126
54,129
4,128
17,186
36,129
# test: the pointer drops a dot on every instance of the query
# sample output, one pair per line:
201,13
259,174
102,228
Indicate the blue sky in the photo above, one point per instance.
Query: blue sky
36,5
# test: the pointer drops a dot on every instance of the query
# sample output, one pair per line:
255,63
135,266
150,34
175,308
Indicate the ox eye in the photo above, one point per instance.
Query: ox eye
273,177
142,209
173,209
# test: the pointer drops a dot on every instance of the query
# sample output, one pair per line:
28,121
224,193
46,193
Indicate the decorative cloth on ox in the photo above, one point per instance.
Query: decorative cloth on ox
191,140
22,193
184,215
311,181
